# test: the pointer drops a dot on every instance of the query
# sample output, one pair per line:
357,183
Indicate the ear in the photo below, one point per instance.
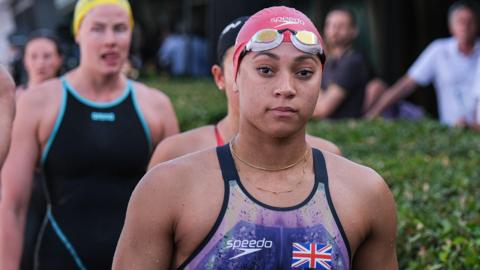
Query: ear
235,86
217,73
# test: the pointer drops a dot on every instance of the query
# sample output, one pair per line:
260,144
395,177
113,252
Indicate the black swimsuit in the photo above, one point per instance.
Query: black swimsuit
95,156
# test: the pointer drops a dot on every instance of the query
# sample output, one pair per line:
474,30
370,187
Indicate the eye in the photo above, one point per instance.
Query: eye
97,29
304,73
265,70
120,28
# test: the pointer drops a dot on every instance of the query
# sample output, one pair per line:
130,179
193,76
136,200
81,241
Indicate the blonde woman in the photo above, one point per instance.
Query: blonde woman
92,131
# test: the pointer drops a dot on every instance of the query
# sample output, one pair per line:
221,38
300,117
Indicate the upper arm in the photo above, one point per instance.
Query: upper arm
146,241
158,111
378,251
170,118
423,69
17,173
329,100
7,106
163,113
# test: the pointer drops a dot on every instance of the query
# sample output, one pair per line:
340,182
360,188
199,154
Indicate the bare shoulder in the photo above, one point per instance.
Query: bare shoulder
323,144
188,168
150,96
183,143
366,209
42,97
170,212
358,180
158,112
181,179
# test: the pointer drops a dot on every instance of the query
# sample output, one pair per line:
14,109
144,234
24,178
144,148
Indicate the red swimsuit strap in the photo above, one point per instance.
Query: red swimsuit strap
218,137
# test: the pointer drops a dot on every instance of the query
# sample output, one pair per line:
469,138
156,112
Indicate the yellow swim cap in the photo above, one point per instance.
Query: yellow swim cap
84,6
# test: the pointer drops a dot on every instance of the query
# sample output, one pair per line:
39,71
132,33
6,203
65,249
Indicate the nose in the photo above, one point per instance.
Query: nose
39,62
110,38
285,87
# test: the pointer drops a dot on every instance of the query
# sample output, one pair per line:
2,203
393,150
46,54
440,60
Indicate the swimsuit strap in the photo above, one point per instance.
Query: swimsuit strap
218,137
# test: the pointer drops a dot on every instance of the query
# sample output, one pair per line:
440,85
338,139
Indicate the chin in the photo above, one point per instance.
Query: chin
282,131
109,71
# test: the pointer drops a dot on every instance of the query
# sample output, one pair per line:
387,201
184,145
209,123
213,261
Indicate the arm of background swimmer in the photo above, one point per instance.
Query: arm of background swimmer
146,241
7,109
17,177
378,251
170,118
328,101
402,88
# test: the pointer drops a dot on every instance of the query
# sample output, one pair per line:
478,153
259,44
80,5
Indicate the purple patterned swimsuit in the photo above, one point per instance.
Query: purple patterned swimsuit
249,234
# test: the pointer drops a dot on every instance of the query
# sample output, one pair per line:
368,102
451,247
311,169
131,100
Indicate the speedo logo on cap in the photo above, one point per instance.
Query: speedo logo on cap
248,246
287,21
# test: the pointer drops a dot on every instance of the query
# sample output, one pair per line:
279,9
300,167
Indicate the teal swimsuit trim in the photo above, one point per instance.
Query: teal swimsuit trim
98,105
64,240
142,119
61,113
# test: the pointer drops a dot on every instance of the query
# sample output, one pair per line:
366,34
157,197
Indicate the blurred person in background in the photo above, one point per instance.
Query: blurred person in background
217,135
447,62
183,54
42,58
92,131
347,73
476,90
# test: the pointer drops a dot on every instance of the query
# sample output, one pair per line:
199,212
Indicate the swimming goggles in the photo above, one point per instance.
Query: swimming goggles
267,39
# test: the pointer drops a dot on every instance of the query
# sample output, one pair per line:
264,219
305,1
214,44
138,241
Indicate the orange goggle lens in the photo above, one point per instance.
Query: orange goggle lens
307,37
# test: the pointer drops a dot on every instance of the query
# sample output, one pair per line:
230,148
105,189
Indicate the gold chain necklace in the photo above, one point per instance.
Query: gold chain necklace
275,192
303,157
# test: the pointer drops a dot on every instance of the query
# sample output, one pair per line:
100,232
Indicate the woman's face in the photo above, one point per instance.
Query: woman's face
104,38
278,89
42,60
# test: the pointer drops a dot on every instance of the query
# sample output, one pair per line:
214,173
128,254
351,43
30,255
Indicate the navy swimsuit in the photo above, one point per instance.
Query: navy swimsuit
249,234
95,156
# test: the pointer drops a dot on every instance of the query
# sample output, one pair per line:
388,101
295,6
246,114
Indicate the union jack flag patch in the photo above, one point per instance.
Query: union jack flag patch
311,256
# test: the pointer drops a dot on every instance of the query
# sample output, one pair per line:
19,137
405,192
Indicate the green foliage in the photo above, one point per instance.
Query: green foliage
433,172
196,102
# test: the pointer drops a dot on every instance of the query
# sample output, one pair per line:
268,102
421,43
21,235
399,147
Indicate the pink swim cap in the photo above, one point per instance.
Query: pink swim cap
279,17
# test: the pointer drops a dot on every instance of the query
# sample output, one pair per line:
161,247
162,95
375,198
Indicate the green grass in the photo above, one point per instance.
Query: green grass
196,102
433,172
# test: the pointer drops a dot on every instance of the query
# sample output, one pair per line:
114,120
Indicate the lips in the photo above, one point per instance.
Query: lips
283,111
111,57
